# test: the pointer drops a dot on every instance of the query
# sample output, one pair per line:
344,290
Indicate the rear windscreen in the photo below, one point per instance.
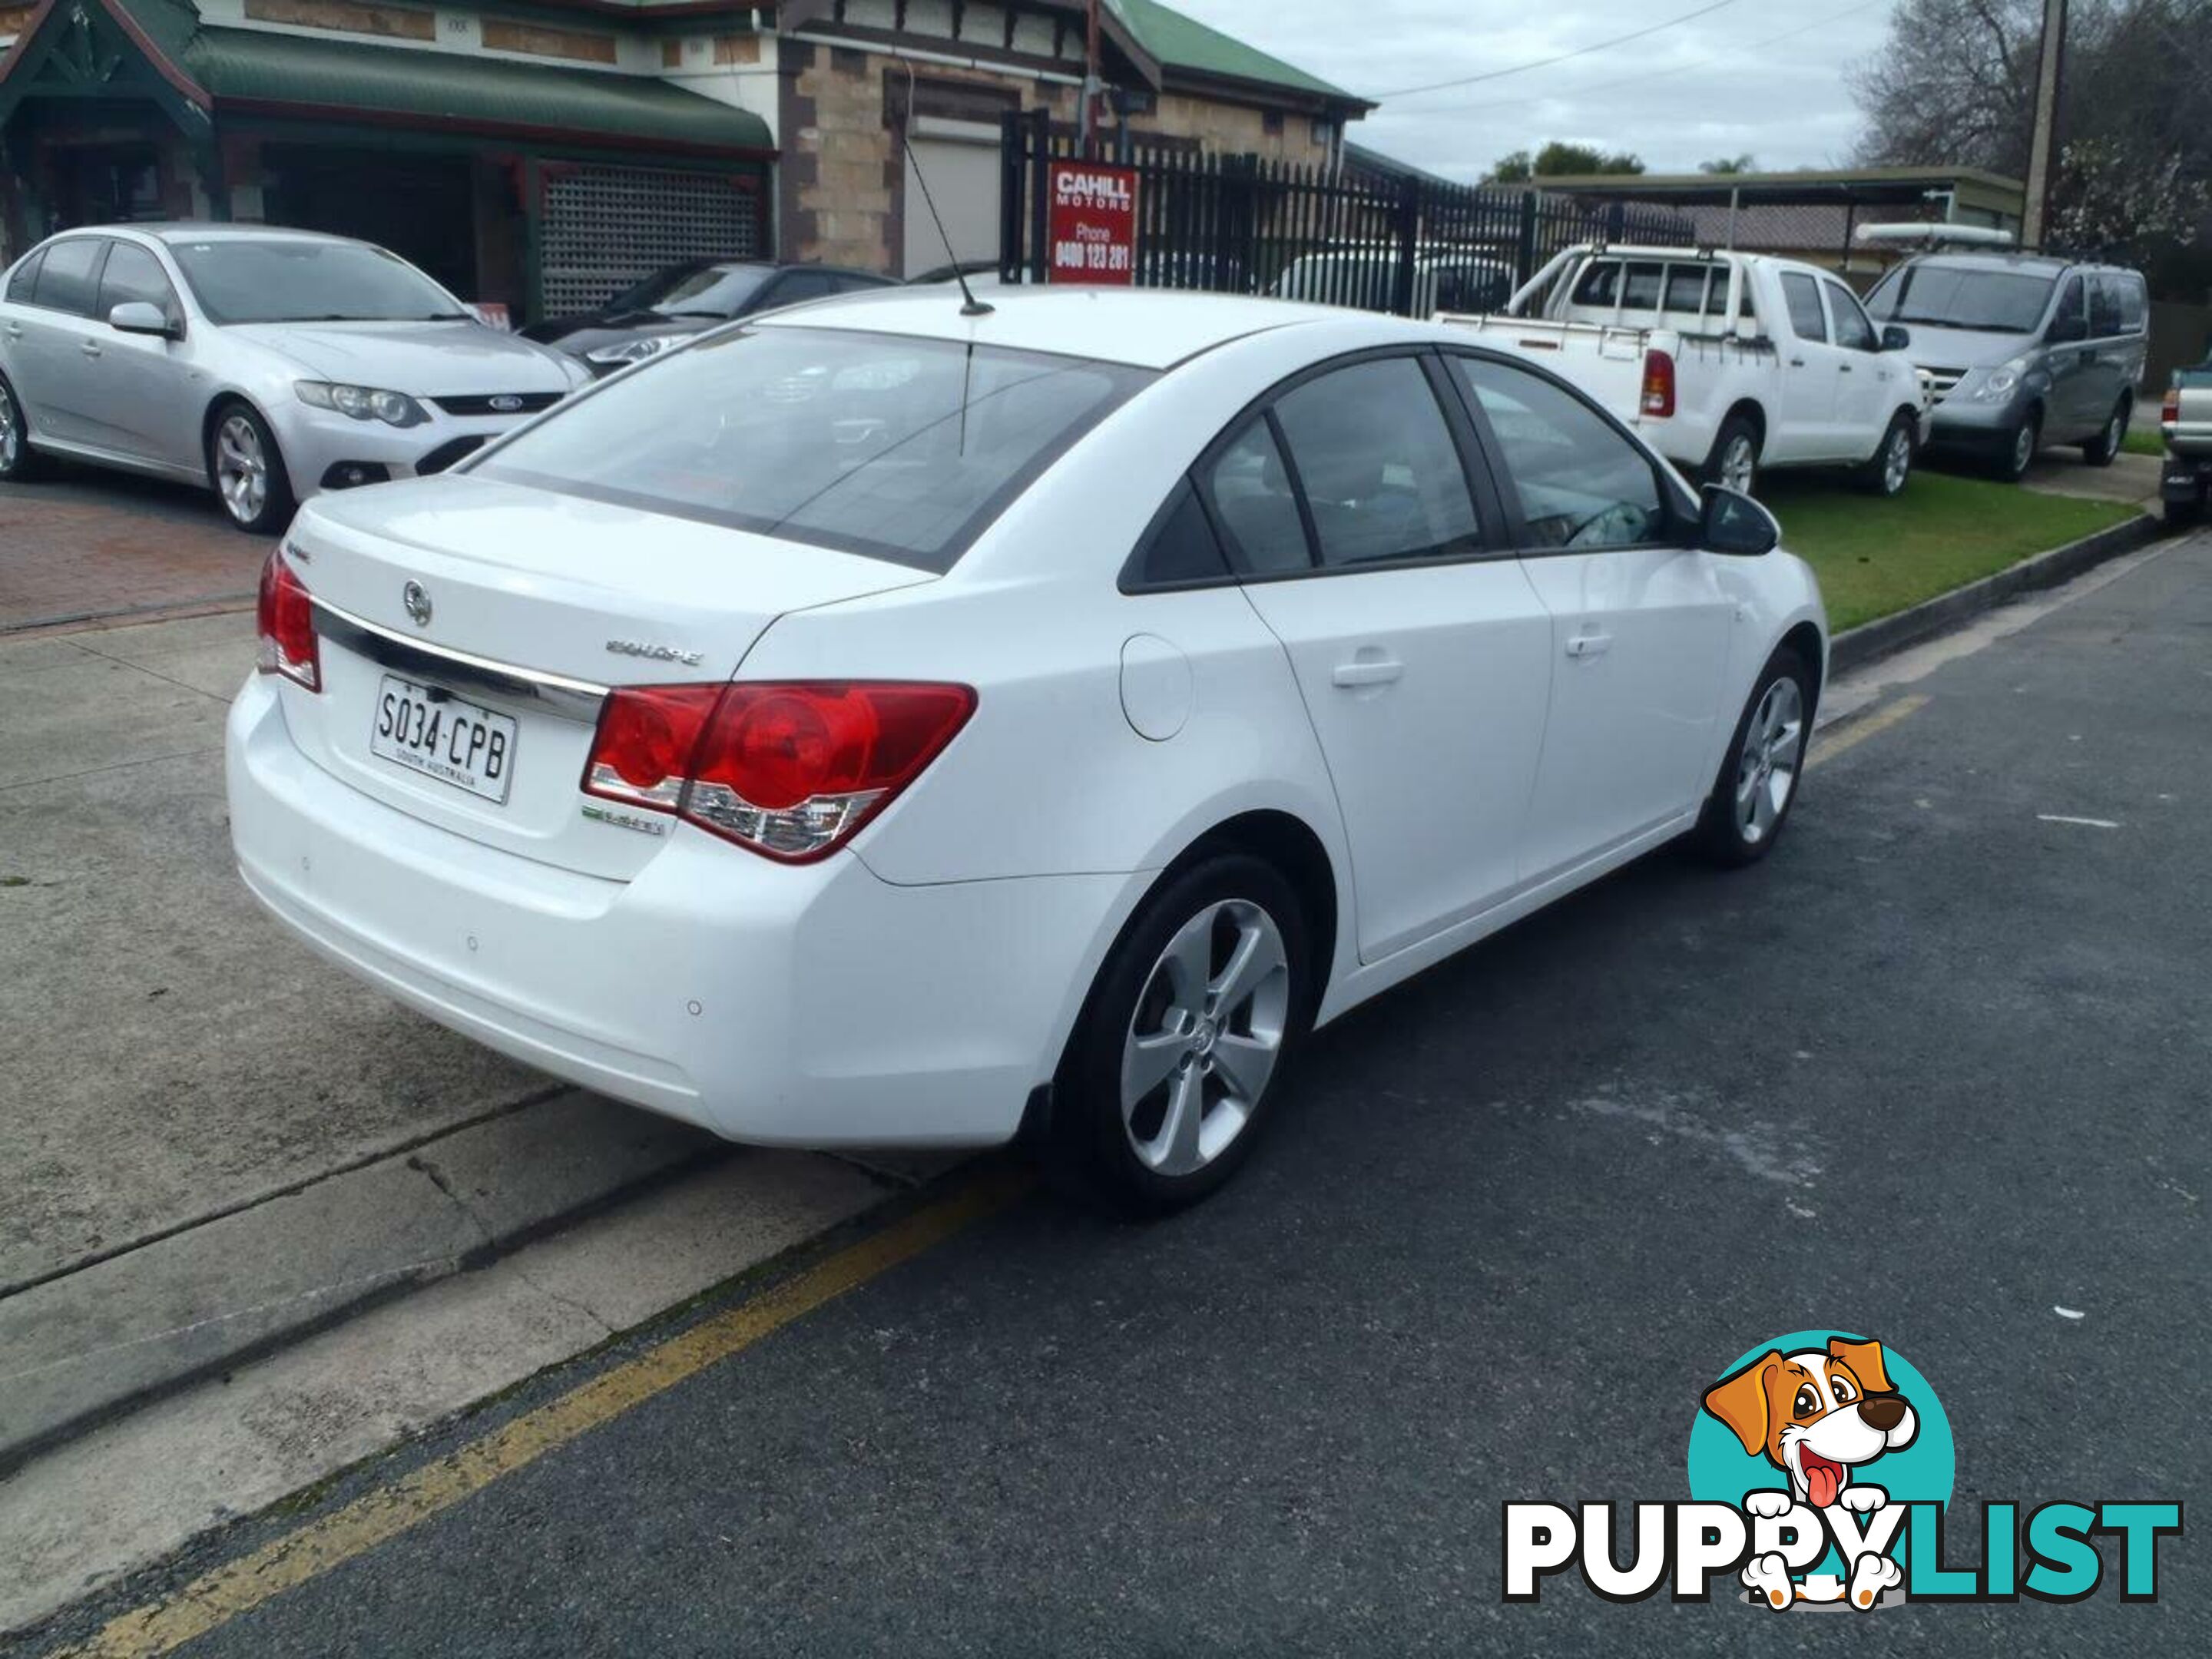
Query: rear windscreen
898,448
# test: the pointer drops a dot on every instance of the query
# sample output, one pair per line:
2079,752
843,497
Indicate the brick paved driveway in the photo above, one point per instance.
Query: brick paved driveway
82,546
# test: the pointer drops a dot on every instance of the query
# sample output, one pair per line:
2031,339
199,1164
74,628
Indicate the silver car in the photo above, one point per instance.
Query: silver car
265,364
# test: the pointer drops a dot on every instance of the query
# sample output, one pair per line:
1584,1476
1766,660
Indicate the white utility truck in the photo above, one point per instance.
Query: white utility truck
1728,362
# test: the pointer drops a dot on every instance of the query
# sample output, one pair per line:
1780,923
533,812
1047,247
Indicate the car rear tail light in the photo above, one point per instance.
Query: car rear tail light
791,769
2170,411
1658,384
286,618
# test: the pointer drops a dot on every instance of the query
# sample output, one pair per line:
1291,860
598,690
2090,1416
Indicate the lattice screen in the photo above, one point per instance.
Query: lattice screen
607,227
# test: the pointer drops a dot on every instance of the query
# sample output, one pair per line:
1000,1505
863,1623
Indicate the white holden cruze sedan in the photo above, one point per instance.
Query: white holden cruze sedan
874,725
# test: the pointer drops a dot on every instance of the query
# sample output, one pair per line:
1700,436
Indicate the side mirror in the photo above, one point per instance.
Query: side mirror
142,317
1736,525
2067,330
1896,337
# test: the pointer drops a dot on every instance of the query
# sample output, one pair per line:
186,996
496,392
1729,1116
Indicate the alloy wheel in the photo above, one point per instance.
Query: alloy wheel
1740,466
11,432
1766,771
1206,1036
1897,461
2023,450
241,468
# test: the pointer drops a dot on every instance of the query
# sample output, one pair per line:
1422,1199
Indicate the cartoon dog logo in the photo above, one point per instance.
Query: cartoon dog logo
1818,1415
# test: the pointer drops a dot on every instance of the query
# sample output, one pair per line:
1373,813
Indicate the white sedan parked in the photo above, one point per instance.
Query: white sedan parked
872,725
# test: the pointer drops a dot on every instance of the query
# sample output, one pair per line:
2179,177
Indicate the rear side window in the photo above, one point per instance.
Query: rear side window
2135,304
25,279
1802,295
1182,547
1686,288
1248,486
1644,283
1381,473
882,445
68,279
1601,284
1582,485
2104,307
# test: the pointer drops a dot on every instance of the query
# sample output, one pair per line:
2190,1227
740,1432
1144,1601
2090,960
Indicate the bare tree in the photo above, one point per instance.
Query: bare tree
1954,86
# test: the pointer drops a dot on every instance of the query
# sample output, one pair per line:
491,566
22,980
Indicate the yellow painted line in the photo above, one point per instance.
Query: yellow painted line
1856,731
376,1518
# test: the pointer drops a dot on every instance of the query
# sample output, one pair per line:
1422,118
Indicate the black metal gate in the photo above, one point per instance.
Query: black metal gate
1243,224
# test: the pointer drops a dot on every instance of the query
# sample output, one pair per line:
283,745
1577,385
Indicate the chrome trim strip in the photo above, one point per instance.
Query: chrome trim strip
458,670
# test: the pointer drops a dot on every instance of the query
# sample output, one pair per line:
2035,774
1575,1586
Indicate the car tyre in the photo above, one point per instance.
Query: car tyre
2185,513
1749,806
1181,1048
2021,445
1734,459
1890,467
19,462
2105,448
246,470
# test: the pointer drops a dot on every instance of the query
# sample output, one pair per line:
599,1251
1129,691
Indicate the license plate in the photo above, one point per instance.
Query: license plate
432,731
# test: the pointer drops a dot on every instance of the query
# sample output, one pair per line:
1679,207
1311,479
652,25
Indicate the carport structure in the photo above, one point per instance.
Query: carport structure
1813,215
532,185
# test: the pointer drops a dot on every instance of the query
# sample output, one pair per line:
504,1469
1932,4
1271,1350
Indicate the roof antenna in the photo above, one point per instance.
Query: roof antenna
974,308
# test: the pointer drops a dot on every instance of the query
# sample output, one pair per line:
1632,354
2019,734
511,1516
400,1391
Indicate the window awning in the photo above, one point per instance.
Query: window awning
253,71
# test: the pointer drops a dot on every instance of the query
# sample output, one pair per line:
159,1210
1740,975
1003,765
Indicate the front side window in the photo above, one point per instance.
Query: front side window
894,447
281,279
1376,459
2072,306
1582,483
132,273
67,281
1802,295
1853,331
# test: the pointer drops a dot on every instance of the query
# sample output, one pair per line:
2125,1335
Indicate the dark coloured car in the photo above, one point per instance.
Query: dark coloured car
685,300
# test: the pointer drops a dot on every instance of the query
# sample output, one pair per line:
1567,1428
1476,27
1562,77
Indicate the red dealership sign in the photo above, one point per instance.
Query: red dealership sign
1094,222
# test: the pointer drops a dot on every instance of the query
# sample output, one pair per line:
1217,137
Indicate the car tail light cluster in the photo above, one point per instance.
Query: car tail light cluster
2170,412
791,769
288,626
1659,385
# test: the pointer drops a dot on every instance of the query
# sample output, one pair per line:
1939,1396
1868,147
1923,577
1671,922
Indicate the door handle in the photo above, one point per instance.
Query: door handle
1590,645
1796,362
1844,368
1351,676
89,349
15,331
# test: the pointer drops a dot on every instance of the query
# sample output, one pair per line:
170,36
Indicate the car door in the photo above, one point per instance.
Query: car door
1640,625
1812,380
1419,645
2067,410
2111,363
50,340
1868,388
141,399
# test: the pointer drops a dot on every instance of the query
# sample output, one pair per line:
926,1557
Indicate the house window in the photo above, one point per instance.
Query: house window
1323,133
1272,123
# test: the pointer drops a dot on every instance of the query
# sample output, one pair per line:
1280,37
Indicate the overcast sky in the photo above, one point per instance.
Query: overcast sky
1708,88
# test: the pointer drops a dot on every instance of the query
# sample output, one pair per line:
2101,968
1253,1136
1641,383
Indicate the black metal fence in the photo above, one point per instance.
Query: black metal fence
1242,224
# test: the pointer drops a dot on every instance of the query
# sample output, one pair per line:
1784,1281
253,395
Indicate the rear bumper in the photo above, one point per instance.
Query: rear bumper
2186,478
814,1005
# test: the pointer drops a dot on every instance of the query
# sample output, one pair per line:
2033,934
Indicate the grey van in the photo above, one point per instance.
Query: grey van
2021,350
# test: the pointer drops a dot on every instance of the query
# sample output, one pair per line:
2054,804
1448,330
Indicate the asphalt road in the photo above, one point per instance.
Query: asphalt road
1938,1069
